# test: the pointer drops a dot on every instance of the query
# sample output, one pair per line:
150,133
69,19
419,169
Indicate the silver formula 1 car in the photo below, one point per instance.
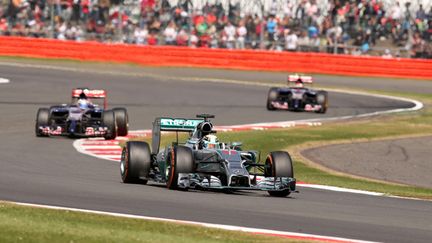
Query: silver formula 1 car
297,97
203,162
83,117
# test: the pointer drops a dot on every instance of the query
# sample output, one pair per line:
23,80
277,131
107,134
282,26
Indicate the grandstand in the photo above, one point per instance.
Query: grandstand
358,27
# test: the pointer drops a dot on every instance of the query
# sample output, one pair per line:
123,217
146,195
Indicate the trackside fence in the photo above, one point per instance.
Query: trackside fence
218,58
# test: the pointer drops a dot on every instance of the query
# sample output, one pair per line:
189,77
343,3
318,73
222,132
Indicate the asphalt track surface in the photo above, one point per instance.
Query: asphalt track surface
49,171
406,161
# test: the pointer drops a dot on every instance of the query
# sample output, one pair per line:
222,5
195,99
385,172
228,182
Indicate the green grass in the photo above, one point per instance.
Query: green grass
292,139
29,224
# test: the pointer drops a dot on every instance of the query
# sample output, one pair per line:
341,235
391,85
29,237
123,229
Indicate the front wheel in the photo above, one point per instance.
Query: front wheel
322,99
42,119
279,164
272,96
180,160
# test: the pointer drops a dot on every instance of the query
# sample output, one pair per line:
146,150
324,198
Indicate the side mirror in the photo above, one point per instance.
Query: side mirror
237,145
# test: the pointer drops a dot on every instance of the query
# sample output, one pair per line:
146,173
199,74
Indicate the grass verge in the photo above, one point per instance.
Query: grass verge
29,224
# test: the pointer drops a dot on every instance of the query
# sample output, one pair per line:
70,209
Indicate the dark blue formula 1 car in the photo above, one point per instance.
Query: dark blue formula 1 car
203,162
297,97
82,118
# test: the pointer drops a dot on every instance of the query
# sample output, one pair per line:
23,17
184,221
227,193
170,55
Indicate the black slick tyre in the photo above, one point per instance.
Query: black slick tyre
279,164
272,96
135,162
42,119
180,160
122,121
322,99
108,120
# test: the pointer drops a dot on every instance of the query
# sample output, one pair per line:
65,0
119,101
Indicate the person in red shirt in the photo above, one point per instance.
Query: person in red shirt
211,18
152,39
204,40
198,19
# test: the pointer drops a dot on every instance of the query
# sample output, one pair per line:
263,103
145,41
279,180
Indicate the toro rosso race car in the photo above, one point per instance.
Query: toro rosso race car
83,117
297,97
203,162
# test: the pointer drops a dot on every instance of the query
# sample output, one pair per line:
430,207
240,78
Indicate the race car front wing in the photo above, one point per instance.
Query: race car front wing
285,106
194,181
60,131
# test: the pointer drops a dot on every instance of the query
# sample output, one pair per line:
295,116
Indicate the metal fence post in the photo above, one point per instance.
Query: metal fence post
120,19
52,19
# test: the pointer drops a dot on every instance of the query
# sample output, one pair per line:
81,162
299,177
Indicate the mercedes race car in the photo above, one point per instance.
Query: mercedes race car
203,162
297,97
83,117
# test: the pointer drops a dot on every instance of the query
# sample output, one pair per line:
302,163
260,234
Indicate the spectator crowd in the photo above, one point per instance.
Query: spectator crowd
356,27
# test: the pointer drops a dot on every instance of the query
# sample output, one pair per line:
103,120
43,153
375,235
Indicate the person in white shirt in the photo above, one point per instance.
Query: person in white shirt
387,54
303,41
140,35
396,12
194,40
230,32
170,34
273,8
288,9
291,40
62,31
241,36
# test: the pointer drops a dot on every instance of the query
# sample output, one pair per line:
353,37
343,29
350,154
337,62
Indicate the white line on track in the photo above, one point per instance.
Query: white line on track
341,189
4,81
293,235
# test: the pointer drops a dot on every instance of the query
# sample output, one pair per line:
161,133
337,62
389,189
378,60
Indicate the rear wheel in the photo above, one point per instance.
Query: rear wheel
272,96
108,120
180,160
322,99
122,121
279,164
42,119
135,162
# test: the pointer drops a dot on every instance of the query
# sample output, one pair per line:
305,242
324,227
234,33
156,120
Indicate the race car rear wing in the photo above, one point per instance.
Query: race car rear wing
172,125
304,79
90,93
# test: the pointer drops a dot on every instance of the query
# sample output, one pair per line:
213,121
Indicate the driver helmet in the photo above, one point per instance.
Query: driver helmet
299,83
83,104
211,141
83,95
